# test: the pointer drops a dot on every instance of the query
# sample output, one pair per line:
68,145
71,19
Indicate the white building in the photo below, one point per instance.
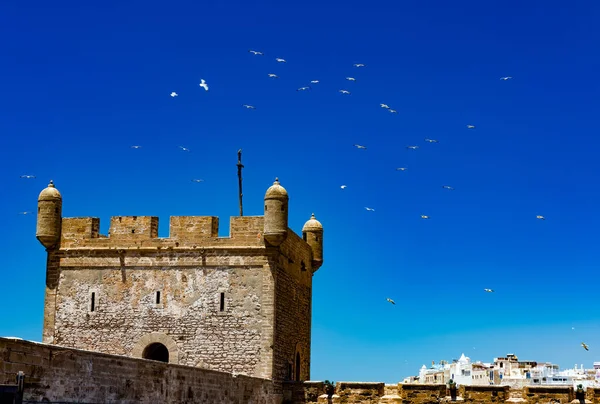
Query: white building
507,371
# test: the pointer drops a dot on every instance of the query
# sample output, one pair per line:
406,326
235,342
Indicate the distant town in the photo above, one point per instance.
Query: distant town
505,371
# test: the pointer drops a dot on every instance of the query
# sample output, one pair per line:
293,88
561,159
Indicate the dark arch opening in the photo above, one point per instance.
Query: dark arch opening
156,352
297,366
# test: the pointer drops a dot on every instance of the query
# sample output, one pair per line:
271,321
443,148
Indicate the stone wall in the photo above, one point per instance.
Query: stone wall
379,393
55,374
293,297
175,305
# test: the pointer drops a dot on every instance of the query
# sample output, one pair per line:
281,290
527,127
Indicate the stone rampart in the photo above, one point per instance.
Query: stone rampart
142,231
56,374
312,392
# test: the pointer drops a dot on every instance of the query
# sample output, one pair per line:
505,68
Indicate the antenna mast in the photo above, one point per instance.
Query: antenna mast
240,166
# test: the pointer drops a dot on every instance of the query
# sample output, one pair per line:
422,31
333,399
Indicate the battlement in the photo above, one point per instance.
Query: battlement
131,231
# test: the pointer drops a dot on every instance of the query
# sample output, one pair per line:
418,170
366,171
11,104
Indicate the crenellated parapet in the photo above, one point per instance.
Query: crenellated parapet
138,231
313,392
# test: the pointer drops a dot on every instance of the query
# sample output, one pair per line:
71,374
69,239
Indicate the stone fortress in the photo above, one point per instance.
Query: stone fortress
239,304
130,317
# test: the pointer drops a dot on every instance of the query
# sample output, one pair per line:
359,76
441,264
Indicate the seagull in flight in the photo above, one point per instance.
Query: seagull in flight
314,81
203,84
280,60
350,79
136,147
412,147
506,78
248,106
343,186
584,345
447,187
424,217
27,176
384,106
360,147
488,290
344,91
273,76
401,169
24,213
195,180
431,140
370,209
390,300
393,111
184,148
359,65
174,94
255,52
540,217
470,126
303,88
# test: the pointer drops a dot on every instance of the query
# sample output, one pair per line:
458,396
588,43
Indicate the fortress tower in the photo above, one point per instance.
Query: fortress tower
236,304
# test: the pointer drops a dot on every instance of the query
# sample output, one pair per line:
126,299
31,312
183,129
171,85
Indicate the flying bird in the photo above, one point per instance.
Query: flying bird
174,94
412,147
488,290
384,106
280,60
314,81
540,217
359,65
24,213
303,88
506,78
447,187
424,217
344,91
27,176
273,75
343,186
255,52
401,169
136,147
393,111
350,79
432,140
203,84
360,147
470,126
248,106
194,180
584,345
184,148
390,300
370,209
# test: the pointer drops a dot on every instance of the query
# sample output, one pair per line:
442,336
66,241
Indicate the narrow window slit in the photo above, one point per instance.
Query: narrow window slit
222,306
157,297
93,305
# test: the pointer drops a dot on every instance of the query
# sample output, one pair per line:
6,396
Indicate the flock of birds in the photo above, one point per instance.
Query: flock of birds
204,85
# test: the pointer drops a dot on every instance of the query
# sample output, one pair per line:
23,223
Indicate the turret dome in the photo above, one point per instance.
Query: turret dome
276,191
50,193
312,224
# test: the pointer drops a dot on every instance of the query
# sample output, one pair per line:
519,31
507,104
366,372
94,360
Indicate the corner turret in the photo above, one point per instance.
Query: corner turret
49,216
312,233
276,214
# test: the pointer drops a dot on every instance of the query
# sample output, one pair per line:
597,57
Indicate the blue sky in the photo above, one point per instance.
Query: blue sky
83,82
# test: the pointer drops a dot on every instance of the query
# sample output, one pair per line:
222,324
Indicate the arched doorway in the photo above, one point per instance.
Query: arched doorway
156,352
297,366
